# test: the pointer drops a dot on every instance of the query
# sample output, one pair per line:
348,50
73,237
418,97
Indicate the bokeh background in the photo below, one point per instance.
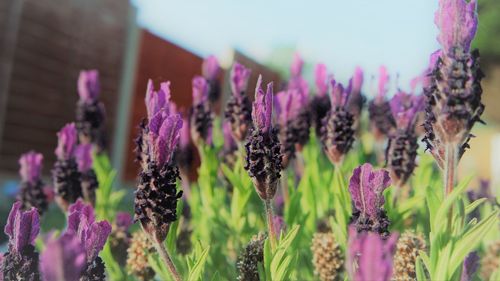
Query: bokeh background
45,43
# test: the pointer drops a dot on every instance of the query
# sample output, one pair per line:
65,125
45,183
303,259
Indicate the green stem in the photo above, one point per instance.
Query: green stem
450,175
270,223
162,251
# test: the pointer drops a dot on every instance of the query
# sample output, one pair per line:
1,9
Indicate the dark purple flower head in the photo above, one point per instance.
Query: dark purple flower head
471,264
31,167
366,187
369,256
157,100
67,139
383,82
321,79
339,96
63,259
405,108
210,67
263,106
457,23
200,90
239,79
357,81
88,85
229,142
123,220
92,234
83,155
22,227
297,65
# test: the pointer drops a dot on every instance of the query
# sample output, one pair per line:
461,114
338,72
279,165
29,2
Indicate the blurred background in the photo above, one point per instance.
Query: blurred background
45,43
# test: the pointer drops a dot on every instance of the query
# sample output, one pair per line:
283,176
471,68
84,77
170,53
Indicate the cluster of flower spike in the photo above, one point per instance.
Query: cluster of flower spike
31,192
73,256
156,196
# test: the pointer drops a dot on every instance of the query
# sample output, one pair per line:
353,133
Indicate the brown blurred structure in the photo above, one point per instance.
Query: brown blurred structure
161,60
43,46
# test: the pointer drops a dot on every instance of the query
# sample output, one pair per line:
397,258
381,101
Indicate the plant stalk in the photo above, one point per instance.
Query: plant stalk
284,185
162,251
450,175
270,223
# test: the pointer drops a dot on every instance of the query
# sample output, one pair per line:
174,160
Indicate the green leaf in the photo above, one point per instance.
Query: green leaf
441,219
196,271
420,270
472,206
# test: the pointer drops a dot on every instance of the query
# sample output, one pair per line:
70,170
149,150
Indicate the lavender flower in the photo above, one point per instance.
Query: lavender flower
366,187
402,147
156,196
337,133
320,103
185,155
297,65
239,108
88,179
263,160
31,188
453,96
369,256
357,99
65,174
21,260
90,112
471,264
210,70
201,116
286,111
92,236
63,259
382,122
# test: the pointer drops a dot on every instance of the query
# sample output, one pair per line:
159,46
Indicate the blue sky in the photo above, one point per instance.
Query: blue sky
398,33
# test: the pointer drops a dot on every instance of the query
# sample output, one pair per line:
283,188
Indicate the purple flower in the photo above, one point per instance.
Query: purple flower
210,67
369,256
321,79
457,23
88,85
239,79
83,155
123,220
366,187
339,95
156,100
92,234
263,106
279,224
471,264
63,259
67,138
404,108
383,82
31,167
357,80
297,65
22,227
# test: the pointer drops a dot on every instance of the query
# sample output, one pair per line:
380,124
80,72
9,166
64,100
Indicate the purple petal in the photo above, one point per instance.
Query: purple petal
157,100
366,187
31,166
63,259
168,139
239,78
88,85
123,220
67,138
22,226
369,256
263,106
95,238
210,67
321,79
83,154
404,108
283,101
338,94
471,264
457,23
185,133
383,82
80,215
296,67
357,80
200,90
